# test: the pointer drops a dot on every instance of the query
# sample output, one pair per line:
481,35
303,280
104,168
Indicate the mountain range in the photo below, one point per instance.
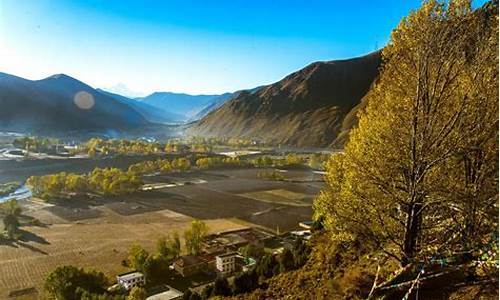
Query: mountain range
51,105
315,106
185,105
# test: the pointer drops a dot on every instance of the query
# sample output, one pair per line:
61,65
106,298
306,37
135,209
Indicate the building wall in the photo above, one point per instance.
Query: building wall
129,284
226,264
189,270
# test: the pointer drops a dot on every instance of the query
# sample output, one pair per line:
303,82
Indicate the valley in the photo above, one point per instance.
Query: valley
249,150
93,231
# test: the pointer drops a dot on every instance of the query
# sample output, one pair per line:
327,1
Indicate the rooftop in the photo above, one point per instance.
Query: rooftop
229,254
130,275
167,293
189,260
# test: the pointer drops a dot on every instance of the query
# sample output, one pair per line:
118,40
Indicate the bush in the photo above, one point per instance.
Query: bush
271,175
245,282
221,287
69,282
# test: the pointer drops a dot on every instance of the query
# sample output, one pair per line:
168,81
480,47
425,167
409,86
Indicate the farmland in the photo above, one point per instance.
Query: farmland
97,232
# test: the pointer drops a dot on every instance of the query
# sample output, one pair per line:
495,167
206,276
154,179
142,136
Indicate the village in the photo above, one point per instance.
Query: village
223,255
252,201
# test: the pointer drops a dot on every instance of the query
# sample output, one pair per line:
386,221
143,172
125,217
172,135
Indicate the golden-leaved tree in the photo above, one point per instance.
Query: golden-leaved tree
419,173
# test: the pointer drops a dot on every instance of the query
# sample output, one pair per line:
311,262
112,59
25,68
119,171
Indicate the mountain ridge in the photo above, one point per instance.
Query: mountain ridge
305,108
50,105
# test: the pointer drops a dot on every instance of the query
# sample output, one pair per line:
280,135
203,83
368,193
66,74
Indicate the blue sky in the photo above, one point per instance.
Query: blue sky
137,47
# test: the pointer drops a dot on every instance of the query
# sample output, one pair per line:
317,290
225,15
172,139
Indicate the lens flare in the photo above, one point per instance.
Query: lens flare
84,100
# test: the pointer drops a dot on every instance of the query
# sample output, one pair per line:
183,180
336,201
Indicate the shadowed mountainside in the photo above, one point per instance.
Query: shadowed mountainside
315,106
48,106
151,113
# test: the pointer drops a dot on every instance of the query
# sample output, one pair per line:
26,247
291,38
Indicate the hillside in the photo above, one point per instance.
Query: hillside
348,271
50,106
219,101
149,112
315,106
181,104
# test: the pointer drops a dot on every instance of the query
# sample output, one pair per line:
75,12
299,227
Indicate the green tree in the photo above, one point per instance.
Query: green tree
293,159
267,265
221,287
11,207
11,226
162,247
65,282
12,211
175,245
301,252
137,257
245,282
137,293
252,251
286,260
193,237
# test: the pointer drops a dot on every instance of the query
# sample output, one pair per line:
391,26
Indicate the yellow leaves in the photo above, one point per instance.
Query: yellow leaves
431,101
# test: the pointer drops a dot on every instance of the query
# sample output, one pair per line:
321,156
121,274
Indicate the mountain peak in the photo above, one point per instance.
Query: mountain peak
60,76
306,108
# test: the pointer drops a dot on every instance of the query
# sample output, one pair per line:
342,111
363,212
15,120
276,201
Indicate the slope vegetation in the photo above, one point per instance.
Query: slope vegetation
306,108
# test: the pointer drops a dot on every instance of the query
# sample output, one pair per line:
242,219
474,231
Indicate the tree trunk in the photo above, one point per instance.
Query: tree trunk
412,233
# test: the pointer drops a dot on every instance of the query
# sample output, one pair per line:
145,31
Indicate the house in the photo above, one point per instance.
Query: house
233,240
306,224
304,234
189,265
131,279
165,293
226,263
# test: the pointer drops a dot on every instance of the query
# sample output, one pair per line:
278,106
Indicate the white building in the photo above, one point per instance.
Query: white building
131,279
226,263
305,234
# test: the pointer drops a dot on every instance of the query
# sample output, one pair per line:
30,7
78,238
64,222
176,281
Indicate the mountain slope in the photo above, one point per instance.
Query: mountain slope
149,112
178,103
306,108
219,101
50,105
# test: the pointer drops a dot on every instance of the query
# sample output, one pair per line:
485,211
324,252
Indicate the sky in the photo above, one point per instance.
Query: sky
197,47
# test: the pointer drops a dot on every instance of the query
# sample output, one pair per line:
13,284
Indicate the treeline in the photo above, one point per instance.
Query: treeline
161,166
97,146
114,181
218,161
107,181
290,159
221,141
36,144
